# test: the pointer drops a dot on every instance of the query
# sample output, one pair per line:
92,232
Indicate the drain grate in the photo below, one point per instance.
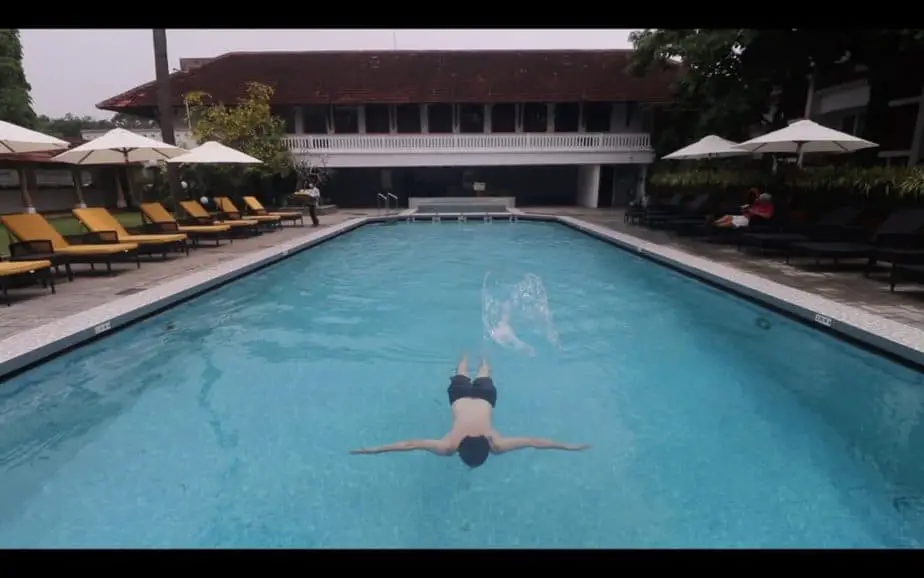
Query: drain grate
130,291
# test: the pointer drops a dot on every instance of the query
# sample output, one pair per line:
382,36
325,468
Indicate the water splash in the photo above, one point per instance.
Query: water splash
512,313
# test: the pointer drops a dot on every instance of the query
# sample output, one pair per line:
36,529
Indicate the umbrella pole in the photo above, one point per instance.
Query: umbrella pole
27,205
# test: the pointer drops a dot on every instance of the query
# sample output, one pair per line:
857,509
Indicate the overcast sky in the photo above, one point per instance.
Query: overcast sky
72,70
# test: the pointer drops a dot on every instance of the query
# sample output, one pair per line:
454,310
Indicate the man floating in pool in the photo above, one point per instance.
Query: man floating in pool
472,435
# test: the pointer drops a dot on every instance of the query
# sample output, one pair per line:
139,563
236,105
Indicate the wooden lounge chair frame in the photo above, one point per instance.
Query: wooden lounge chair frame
152,225
121,235
228,210
255,207
44,249
245,227
40,270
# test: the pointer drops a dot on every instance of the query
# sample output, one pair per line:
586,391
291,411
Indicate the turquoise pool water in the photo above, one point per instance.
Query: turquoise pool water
227,421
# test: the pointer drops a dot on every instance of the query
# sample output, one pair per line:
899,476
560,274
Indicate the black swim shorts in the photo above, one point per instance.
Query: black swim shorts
461,386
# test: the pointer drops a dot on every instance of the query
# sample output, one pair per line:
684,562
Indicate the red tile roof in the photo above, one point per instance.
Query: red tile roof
413,77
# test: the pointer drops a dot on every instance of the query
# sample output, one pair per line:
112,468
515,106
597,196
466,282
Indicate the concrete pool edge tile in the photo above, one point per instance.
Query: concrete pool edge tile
884,334
34,345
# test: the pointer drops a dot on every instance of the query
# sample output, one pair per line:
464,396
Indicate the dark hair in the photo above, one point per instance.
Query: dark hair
474,450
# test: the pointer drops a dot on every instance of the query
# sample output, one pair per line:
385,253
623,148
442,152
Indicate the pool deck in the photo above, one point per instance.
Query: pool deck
845,284
32,307
39,325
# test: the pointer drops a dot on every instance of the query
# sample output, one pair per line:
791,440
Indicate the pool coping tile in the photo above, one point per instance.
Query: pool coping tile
32,346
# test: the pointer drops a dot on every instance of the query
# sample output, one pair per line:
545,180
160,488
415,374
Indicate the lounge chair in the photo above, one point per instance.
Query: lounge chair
897,240
198,215
229,210
162,221
902,271
835,225
693,210
10,270
38,240
99,220
255,208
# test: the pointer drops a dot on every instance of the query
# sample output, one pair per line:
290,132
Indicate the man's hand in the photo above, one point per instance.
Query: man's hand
576,447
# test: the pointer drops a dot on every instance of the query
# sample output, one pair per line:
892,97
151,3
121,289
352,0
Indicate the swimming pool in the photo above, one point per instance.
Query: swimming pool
226,421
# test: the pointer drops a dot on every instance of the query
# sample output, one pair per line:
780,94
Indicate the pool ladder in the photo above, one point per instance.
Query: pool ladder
385,202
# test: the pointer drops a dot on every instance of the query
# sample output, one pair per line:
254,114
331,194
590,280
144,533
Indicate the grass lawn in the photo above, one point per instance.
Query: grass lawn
68,225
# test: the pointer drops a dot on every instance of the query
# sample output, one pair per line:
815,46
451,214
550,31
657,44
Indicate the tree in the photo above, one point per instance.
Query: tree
129,122
248,126
70,125
15,100
736,80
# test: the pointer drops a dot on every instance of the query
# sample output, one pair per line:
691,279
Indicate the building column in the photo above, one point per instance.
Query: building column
299,120
640,191
361,117
518,117
580,117
487,118
550,117
329,119
588,186
392,119
915,154
424,119
456,113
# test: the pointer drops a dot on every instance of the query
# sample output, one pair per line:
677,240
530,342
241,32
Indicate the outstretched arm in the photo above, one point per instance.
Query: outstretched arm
438,447
509,444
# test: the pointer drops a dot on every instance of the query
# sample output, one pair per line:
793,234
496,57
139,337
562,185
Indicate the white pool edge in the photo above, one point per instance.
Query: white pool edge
30,347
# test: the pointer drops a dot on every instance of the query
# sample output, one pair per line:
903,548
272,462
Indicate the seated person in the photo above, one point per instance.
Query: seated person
762,207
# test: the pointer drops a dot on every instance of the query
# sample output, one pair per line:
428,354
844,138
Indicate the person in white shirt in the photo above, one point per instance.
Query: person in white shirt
314,199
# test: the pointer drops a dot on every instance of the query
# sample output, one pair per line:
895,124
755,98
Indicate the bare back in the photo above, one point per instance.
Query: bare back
471,417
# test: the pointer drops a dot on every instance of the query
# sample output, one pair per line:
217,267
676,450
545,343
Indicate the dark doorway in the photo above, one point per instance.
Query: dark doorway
605,190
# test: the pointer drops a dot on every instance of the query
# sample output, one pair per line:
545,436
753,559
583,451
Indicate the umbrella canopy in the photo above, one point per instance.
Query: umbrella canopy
708,147
805,136
16,139
213,152
122,147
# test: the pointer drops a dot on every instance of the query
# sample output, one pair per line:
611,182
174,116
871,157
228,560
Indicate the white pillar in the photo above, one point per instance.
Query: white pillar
299,120
424,119
487,118
518,117
550,117
456,114
361,117
329,119
580,117
588,186
392,119
915,155
642,182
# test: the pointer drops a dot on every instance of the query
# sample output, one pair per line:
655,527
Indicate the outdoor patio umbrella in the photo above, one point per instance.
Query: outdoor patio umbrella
708,147
120,147
803,137
16,139
213,152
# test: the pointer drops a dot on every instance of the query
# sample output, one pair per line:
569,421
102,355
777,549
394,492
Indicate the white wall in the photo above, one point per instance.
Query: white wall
588,185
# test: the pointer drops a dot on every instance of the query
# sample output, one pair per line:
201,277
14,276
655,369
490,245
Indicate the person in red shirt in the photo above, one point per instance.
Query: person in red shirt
762,208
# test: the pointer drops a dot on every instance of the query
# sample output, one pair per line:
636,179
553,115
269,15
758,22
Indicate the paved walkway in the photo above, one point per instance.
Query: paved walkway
33,307
844,284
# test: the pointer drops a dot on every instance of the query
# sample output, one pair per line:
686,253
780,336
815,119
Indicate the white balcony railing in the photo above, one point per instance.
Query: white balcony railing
468,143
436,143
